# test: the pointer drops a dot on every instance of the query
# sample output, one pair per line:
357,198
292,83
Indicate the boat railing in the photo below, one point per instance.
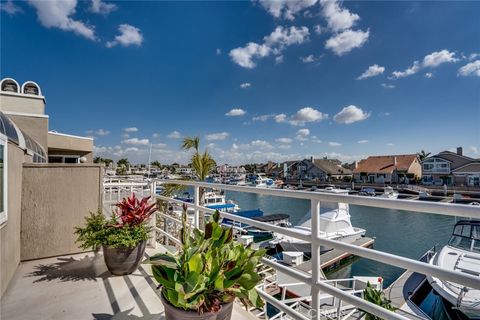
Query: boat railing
314,279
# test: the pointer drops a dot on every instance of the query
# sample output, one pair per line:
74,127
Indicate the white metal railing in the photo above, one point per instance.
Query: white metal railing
116,191
314,280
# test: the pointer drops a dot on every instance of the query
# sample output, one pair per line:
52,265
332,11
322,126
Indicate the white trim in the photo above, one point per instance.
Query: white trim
9,79
4,213
68,135
25,114
35,84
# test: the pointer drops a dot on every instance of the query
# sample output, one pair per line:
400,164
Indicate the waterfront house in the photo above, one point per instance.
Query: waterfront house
388,169
451,168
321,170
48,181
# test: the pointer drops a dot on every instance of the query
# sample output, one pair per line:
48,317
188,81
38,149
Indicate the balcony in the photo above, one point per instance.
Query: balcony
79,286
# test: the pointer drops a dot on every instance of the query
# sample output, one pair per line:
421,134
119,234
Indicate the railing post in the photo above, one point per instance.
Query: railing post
316,271
153,236
196,201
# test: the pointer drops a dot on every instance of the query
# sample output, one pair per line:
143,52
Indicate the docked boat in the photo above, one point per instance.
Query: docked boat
262,182
335,224
277,219
389,193
368,192
461,254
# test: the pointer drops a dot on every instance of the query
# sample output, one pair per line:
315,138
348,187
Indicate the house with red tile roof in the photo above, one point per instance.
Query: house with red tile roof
388,169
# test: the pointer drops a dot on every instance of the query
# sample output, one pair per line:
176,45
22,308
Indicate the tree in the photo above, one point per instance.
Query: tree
105,161
422,155
123,162
156,164
202,164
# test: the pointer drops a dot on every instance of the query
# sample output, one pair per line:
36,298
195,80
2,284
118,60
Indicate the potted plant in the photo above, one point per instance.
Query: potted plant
122,237
202,280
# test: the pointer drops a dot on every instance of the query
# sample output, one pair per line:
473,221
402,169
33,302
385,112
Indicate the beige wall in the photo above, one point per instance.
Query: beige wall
65,142
416,168
10,230
55,199
22,103
35,127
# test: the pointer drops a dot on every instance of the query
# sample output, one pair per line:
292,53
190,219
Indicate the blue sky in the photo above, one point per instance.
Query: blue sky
257,80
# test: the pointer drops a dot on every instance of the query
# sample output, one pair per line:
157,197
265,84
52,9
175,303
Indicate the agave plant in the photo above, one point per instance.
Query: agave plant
133,211
210,270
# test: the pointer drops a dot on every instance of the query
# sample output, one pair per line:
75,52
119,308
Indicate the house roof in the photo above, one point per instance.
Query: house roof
385,164
473,167
331,166
455,159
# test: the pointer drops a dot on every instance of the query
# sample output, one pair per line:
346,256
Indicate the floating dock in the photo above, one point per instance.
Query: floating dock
333,258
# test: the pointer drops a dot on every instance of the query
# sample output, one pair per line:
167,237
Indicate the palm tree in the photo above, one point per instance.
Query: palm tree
422,155
156,164
202,164
122,165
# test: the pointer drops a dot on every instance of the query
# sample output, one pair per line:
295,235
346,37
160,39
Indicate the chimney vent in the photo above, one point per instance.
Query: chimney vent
460,151
395,161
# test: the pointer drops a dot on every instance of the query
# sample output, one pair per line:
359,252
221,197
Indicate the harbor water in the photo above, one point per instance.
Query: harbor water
404,233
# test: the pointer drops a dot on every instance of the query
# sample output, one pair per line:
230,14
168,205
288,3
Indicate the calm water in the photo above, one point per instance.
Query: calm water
400,232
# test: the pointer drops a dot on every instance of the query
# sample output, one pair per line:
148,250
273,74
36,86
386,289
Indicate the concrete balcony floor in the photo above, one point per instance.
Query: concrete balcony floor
80,287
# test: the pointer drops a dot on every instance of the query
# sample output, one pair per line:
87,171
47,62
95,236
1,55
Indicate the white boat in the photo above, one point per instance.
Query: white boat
389,193
461,254
335,224
262,182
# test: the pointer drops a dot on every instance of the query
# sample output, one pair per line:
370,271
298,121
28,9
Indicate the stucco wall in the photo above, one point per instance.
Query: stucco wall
22,103
65,142
55,199
10,230
35,127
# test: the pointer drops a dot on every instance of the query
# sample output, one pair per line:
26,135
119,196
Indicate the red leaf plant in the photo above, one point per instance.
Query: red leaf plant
132,211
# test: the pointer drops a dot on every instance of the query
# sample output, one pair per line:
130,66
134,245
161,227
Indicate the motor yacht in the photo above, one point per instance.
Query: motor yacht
335,224
389,193
461,254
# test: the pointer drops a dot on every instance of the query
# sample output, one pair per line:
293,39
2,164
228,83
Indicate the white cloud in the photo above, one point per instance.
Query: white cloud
245,85
317,29
431,60
474,150
174,135
217,136
218,51
131,129
437,58
286,8
102,132
279,59
159,145
346,41
334,144
261,144
408,72
307,114
57,14
136,141
302,134
351,114
472,68
98,6
338,18
10,7
125,135
473,56
156,135
372,71
280,117
274,43
131,149
129,36
284,140
388,85
390,144
308,59
384,114
362,141
263,117
428,75
284,146
235,112
243,56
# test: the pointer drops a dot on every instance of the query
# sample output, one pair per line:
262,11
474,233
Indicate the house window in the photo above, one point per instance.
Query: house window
3,179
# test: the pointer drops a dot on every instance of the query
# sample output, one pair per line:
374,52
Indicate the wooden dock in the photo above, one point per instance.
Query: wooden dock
333,258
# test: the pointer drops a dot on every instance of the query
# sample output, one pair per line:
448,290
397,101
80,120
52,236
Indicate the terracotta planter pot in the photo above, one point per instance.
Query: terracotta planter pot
123,260
172,313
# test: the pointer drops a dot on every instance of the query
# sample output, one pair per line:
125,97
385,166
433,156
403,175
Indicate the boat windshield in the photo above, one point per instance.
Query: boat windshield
466,236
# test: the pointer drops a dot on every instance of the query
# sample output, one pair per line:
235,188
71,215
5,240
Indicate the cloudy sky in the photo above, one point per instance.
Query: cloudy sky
258,80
